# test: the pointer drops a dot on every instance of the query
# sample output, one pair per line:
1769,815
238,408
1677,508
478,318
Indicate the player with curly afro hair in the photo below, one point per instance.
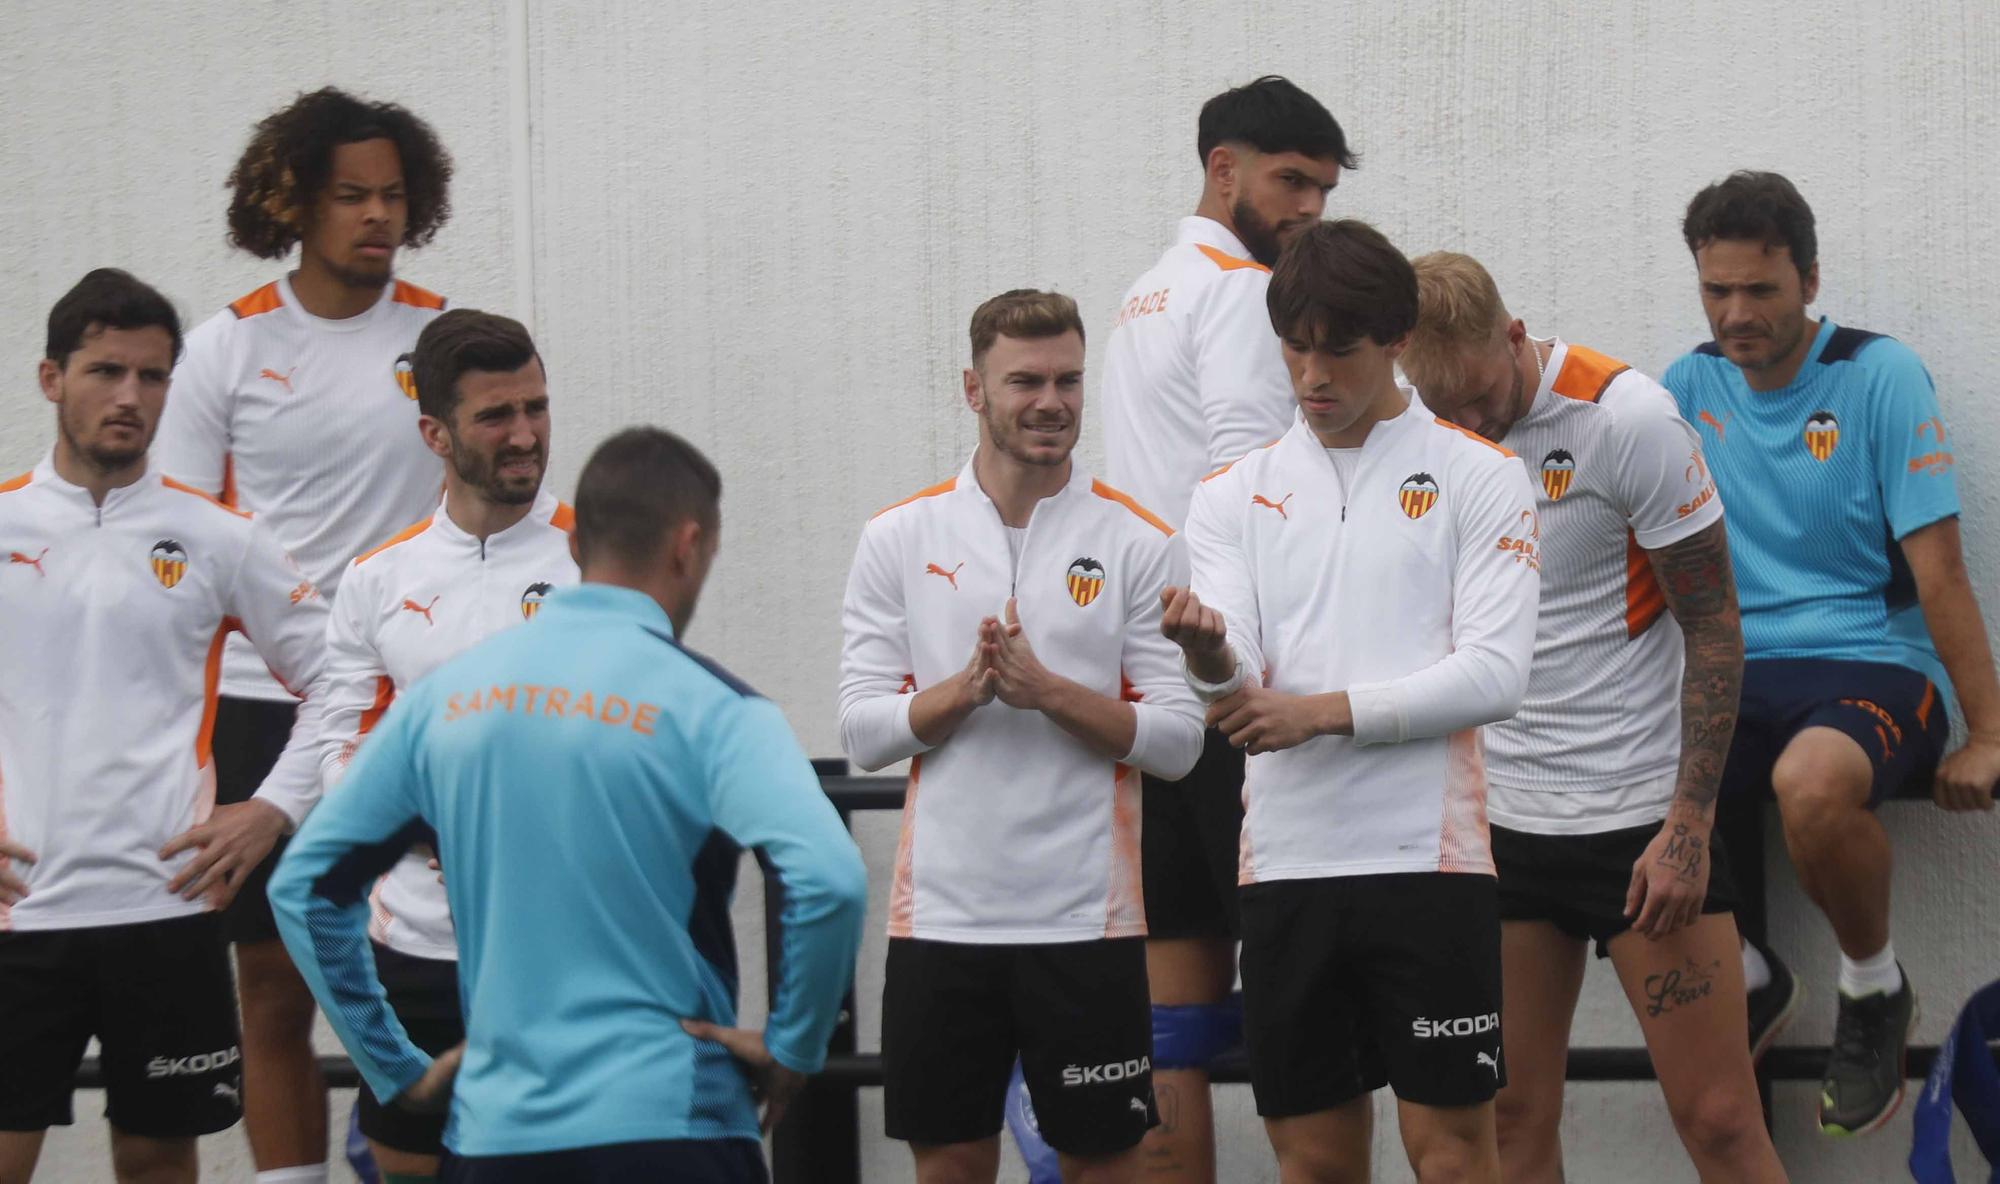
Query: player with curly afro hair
292,402
281,175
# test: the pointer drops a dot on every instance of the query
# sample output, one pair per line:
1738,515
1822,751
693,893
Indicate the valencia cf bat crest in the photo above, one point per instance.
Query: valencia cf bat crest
1558,470
170,562
1086,580
531,599
1418,494
406,377
1822,434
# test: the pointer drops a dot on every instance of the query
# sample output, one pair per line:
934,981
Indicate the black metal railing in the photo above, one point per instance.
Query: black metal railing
820,1139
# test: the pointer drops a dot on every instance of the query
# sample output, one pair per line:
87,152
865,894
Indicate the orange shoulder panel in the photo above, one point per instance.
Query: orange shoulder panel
402,536
13,483
933,491
1232,464
1585,373
263,299
1227,261
1474,436
1124,499
564,519
170,483
410,294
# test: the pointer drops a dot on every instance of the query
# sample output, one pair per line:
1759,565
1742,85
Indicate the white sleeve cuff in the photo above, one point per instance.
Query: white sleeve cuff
1209,692
1165,743
1377,711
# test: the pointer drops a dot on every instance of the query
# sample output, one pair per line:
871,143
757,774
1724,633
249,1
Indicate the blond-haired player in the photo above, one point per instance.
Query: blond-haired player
1602,787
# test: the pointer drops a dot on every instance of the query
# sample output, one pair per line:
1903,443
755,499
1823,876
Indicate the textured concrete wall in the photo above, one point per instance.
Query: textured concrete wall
766,226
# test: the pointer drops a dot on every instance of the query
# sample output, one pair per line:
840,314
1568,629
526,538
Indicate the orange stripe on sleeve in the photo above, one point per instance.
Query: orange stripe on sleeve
170,483
415,297
933,491
13,483
1585,374
1227,261
263,300
211,681
385,693
1644,601
402,536
1474,436
1124,499
902,891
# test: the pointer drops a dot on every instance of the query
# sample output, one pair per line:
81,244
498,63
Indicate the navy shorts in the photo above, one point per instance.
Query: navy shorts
1894,713
686,1161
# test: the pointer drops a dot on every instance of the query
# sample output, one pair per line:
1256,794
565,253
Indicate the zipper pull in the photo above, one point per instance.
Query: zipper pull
1343,511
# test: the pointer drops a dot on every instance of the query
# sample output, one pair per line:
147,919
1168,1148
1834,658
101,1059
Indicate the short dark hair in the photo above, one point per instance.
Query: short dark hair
290,159
1023,313
1759,207
637,486
1273,115
459,342
1338,282
107,298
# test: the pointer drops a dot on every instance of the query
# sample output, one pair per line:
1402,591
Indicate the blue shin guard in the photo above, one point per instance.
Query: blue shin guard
1043,1165
358,1156
1191,1036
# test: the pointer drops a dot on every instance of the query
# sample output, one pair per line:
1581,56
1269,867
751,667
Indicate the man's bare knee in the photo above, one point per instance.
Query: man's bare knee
136,1159
1717,1121
1447,1161
958,1163
1529,1125
1821,774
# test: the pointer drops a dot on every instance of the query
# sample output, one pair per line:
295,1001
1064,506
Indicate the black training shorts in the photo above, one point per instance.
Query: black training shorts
1578,883
1189,836
249,736
423,992
1354,982
955,1016
159,998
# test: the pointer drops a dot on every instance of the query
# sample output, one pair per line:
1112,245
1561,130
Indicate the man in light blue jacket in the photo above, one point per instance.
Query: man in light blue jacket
589,785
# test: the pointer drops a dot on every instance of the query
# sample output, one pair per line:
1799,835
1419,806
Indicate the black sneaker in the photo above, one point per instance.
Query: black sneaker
1864,1074
1771,1005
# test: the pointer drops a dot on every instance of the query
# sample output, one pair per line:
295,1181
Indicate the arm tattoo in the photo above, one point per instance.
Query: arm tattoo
1700,591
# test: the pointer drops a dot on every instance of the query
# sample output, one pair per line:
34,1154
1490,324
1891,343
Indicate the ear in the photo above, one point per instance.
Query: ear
575,552
1517,332
1809,283
1221,168
686,546
50,376
437,437
975,395
1395,348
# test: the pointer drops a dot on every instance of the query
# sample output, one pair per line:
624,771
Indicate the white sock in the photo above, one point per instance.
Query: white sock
307,1173
1869,975
1756,971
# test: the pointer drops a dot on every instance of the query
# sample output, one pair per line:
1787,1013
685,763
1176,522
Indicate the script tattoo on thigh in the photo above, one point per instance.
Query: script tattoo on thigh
1683,854
1680,987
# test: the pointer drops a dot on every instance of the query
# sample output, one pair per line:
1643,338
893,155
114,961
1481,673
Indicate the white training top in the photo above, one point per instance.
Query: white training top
112,620
1597,741
1193,375
1013,829
405,608
309,423
1413,589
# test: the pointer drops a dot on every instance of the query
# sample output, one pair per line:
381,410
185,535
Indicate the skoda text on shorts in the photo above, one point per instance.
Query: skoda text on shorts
1032,691
1353,647
109,808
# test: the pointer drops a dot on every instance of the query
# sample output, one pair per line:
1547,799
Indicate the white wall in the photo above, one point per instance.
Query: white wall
766,224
